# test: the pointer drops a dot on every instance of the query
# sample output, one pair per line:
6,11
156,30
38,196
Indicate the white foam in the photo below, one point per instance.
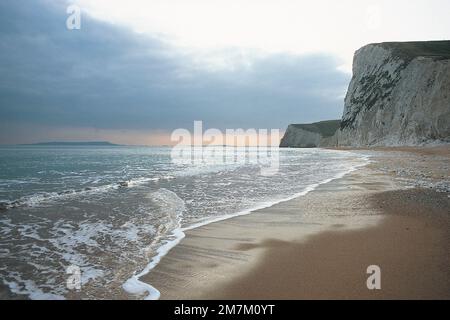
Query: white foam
135,286
66,237
174,207
37,199
29,288
269,204
65,240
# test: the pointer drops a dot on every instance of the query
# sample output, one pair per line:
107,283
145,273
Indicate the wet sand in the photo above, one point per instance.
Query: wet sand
412,252
319,246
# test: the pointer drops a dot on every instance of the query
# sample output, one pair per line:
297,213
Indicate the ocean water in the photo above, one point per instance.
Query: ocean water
113,212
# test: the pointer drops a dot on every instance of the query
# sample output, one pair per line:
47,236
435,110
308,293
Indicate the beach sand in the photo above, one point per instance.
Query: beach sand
319,246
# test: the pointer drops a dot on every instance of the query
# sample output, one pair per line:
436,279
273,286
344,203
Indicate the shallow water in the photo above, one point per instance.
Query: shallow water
108,210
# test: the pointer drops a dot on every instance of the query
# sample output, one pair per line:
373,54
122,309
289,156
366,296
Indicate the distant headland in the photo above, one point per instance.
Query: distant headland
74,143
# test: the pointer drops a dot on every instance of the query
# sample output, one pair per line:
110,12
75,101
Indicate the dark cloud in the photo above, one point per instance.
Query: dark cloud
104,76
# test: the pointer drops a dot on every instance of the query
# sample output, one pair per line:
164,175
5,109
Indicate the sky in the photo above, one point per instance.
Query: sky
138,69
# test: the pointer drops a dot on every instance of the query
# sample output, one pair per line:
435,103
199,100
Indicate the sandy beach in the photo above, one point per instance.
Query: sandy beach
393,213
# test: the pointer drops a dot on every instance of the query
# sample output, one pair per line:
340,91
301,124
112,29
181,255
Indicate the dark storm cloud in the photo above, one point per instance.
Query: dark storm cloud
108,77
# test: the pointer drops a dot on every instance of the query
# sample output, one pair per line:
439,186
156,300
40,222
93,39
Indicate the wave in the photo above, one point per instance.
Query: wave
37,199
174,207
148,227
29,288
135,286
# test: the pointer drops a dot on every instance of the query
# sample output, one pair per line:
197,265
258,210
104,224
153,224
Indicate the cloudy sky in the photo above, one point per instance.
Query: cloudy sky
138,69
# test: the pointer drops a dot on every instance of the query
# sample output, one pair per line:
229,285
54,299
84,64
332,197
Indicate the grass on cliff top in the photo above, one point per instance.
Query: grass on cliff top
410,50
325,128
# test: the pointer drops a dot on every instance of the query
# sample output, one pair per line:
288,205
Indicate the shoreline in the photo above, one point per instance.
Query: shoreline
257,253
218,260
412,253
134,285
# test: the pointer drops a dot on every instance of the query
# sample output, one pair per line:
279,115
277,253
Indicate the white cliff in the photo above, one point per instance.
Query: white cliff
310,135
399,95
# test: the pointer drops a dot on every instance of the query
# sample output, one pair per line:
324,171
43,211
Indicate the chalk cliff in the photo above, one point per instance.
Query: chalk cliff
399,95
310,135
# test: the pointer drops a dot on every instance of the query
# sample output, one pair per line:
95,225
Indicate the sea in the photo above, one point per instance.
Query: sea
86,222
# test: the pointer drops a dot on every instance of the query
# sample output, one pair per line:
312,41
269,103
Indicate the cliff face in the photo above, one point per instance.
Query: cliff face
310,135
399,95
